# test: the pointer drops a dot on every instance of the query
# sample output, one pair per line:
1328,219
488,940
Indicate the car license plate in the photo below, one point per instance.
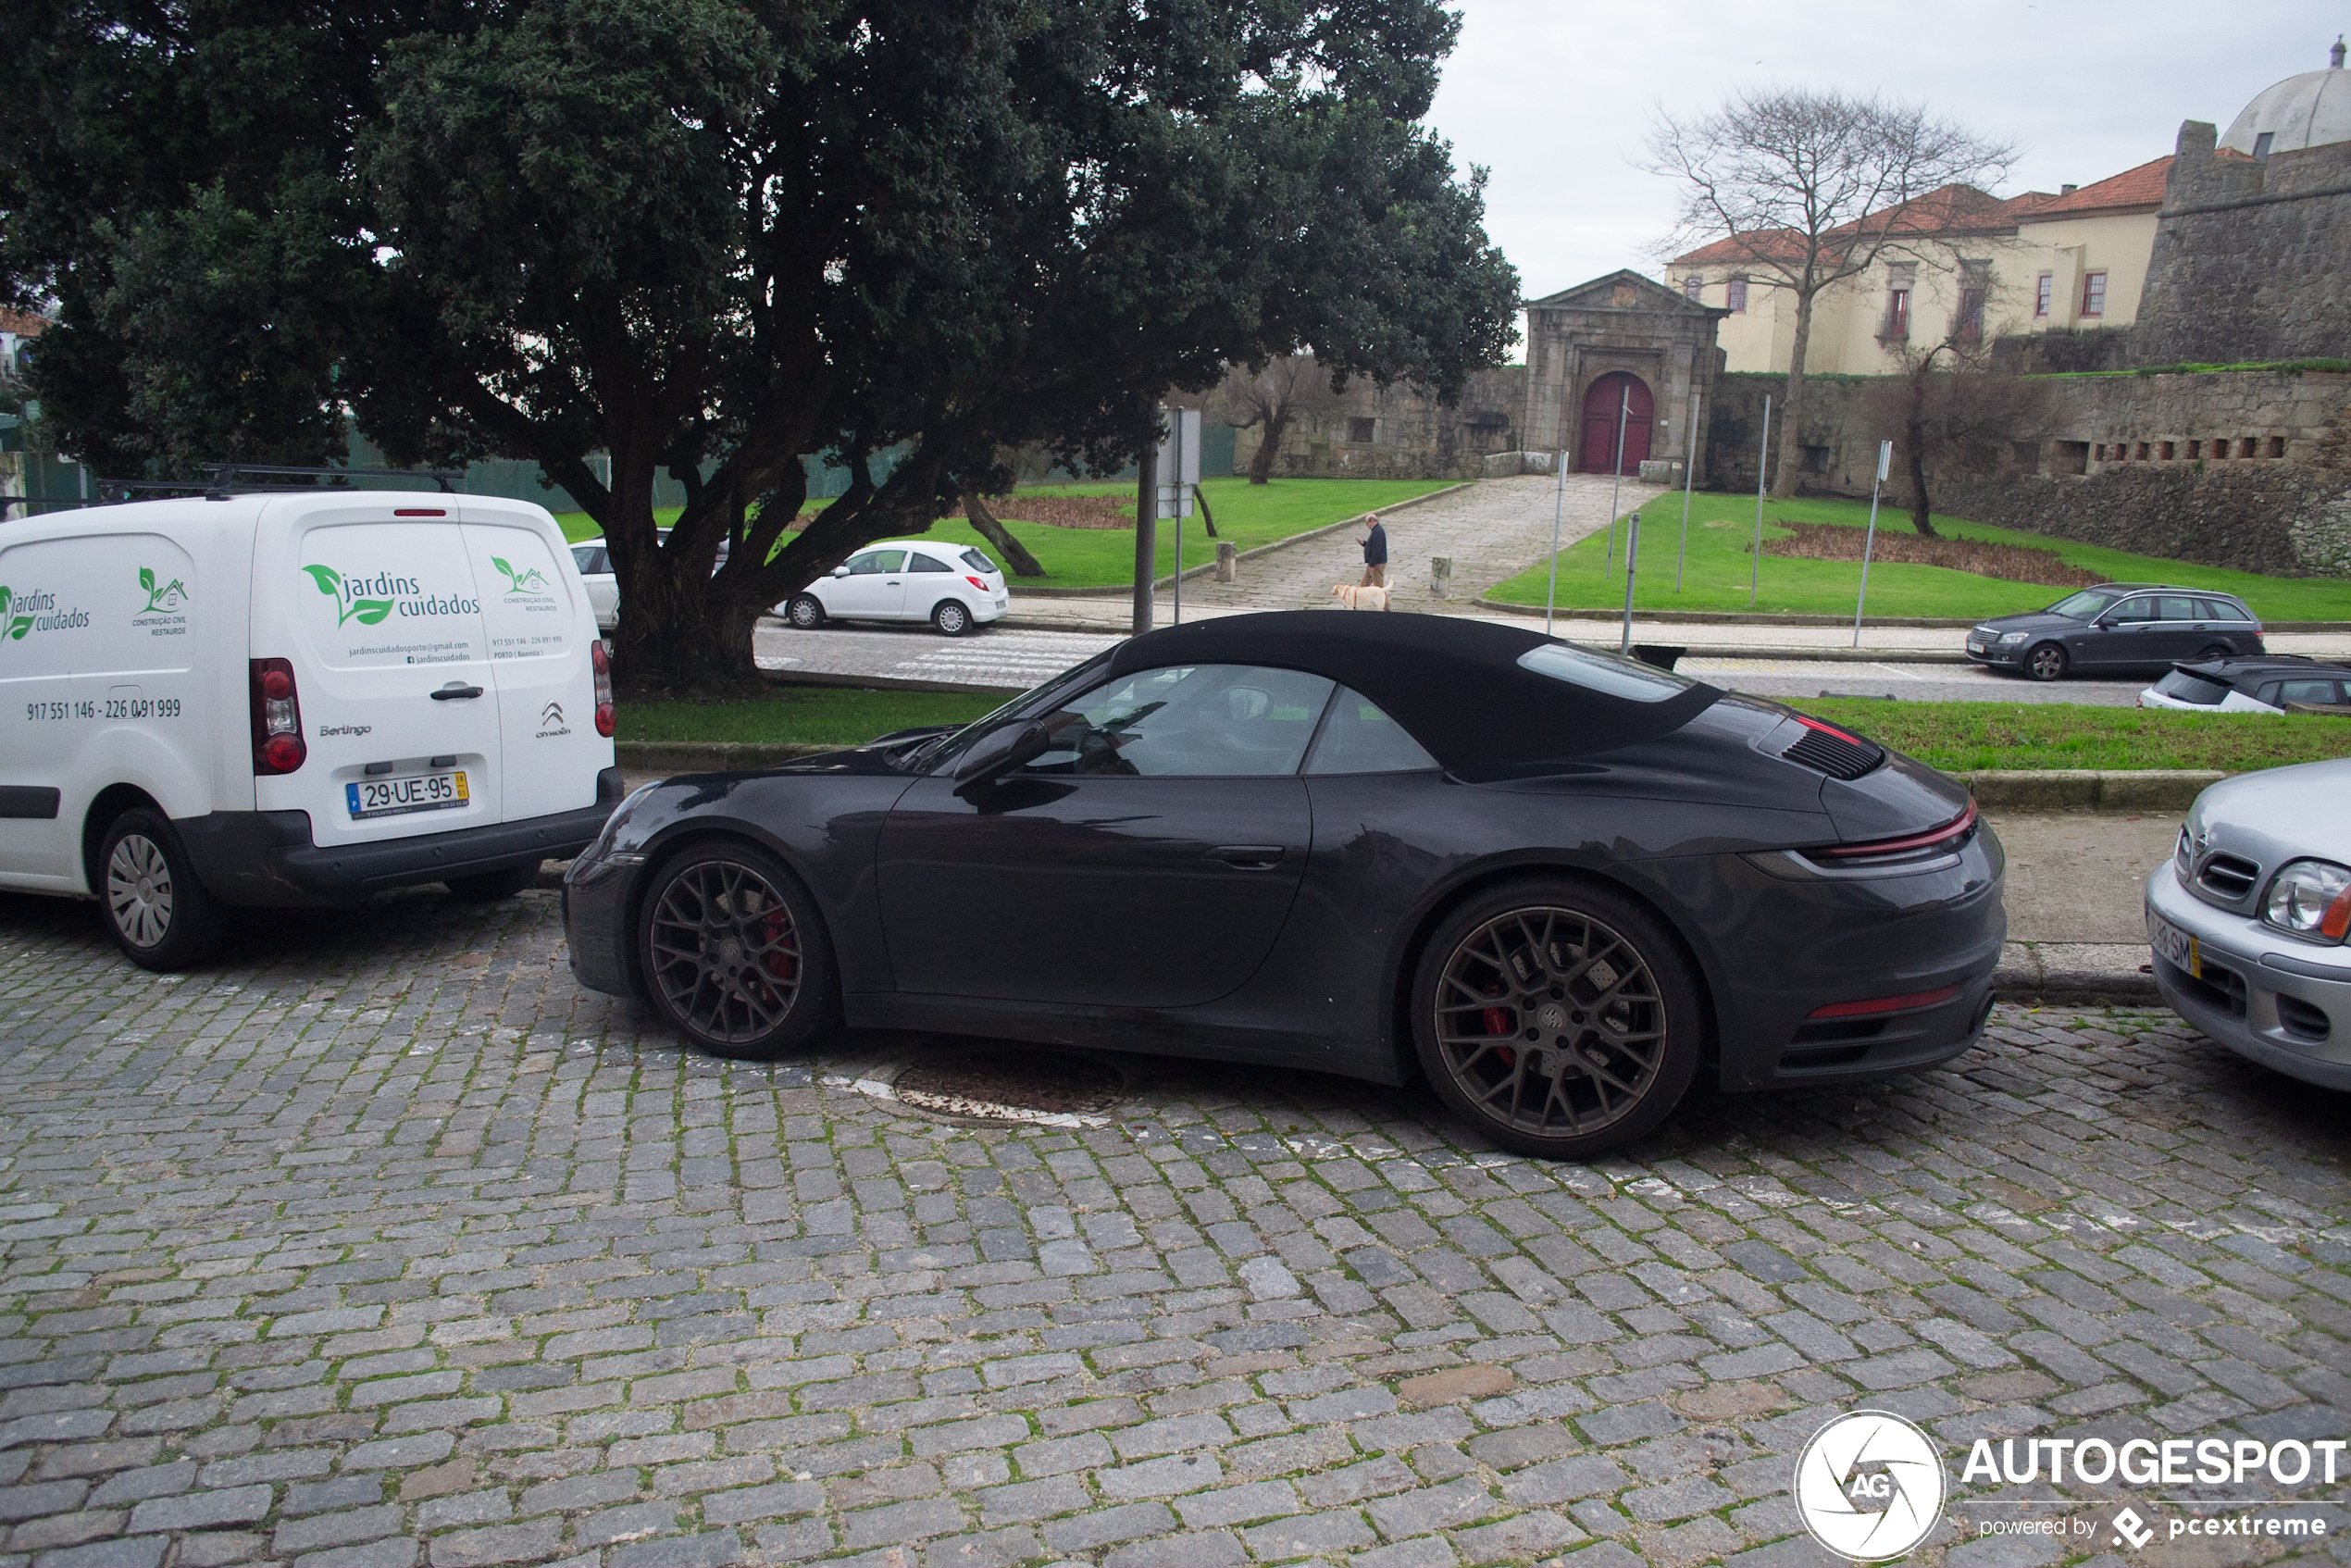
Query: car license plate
1979,647
397,797
2175,947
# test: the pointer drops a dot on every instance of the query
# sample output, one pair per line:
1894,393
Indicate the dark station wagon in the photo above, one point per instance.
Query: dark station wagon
2118,627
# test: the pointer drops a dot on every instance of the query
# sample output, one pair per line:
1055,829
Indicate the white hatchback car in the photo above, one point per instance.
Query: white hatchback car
954,586
596,575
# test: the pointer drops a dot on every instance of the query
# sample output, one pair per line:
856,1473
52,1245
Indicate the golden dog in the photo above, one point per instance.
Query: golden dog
1356,598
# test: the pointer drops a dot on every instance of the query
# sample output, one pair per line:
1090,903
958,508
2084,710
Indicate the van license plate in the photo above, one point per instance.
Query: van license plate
2175,947
397,797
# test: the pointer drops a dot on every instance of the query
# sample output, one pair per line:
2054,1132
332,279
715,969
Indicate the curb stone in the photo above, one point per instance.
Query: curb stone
2075,789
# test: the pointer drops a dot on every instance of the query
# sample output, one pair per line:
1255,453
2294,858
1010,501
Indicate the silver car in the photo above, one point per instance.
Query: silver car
2248,918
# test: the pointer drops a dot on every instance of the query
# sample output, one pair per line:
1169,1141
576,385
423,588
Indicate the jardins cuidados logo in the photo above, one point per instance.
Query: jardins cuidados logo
527,583
26,611
1871,1487
370,598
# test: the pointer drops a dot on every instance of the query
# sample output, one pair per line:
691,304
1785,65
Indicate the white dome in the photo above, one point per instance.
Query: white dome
2309,110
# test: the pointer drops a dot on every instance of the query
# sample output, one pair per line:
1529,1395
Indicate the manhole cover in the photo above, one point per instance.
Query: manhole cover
1010,1086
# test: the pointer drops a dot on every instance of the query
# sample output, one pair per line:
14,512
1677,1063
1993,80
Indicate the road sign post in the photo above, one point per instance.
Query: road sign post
1631,565
1178,474
1869,543
1689,478
1763,469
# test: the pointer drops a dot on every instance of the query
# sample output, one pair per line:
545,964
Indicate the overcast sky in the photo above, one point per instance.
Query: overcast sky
1554,97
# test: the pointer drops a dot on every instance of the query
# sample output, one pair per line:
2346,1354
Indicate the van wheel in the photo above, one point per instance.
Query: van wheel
1558,1018
734,952
155,910
951,617
491,886
805,612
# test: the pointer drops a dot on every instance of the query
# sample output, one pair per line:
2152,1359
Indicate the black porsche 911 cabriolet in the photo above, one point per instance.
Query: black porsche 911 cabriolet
1559,883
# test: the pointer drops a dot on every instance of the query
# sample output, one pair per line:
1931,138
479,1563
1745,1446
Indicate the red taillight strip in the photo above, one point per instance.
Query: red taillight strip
1828,729
1885,1003
1958,828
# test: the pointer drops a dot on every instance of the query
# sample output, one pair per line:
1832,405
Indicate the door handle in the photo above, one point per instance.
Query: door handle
1249,857
452,691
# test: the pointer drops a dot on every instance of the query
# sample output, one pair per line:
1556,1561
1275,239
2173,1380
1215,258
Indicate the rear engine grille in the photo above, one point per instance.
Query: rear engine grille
2303,1020
1833,751
2228,877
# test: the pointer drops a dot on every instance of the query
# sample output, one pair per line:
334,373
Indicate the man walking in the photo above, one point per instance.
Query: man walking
1374,554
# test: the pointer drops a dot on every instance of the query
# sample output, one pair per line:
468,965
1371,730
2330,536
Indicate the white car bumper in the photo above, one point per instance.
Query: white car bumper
2234,703
2285,1003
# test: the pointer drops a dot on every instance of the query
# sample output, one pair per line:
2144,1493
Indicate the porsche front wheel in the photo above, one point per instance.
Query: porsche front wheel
734,954
1558,1019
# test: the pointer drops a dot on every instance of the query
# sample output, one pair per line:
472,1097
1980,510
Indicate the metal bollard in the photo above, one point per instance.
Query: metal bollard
1441,577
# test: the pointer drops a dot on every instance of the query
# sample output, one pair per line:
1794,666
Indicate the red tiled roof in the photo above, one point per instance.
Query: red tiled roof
23,323
1948,209
2140,187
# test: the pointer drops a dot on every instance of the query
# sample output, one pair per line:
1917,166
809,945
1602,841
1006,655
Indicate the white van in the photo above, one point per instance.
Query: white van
293,697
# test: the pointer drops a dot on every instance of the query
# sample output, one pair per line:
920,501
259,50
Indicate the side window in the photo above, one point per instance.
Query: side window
2269,694
584,557
875,561
2133,609
2224,610
2307,692
2175,607
979,562
1358,738
922,563
1190,721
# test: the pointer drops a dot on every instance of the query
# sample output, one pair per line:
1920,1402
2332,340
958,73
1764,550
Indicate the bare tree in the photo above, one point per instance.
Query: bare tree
1949,411
1806,190
1272,398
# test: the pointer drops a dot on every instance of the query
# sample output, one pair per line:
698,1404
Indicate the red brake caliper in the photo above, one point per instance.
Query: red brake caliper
782,963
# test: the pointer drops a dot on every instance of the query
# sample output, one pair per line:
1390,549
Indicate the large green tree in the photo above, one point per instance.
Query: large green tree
715,238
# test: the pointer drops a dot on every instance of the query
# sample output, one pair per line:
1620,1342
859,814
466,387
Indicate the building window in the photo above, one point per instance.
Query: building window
2094,293
2196,450
1361,432
2043,292
2143,452
1897,315
1814,459
1694,286
2166,453
2245,446
1975,288
2277,446
2262,143
2074,457
2219,449
1736,295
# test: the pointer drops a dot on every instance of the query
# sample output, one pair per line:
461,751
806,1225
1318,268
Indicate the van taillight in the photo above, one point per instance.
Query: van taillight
277,718
601,662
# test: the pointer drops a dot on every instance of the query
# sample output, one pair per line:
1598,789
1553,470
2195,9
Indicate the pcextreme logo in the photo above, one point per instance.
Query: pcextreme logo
1870,1486
162,598
531,582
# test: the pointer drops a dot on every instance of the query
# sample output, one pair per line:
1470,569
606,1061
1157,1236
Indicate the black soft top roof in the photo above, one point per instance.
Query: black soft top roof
1455,684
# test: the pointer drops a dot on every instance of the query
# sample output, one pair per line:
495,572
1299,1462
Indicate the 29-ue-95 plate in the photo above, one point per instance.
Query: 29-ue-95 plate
397,797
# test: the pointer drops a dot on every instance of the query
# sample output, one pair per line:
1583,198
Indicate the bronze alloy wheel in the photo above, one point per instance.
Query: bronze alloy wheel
1559,1025
731,954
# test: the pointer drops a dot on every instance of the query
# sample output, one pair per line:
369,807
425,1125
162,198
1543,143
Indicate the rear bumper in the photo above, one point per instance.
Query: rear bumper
268,858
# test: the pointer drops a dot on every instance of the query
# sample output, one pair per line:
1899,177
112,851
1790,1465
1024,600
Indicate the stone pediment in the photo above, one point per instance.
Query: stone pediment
1624,290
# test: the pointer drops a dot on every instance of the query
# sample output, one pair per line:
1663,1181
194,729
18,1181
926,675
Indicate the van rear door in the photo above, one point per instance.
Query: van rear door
374,600
540,628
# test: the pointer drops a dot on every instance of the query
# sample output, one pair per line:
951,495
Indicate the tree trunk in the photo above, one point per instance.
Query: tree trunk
1205,516
678,640
1261,467
1790,455
1015,553
1914,452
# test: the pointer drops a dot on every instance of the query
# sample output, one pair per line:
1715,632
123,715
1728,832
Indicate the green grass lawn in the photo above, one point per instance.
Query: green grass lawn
827,715
1248,515
1965,736
1959,736
1716,575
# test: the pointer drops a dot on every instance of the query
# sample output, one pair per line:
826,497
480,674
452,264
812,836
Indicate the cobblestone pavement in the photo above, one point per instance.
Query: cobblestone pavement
381,1243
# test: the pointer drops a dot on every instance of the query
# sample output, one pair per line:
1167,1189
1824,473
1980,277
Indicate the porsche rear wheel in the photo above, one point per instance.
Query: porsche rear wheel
734,954
1558,1017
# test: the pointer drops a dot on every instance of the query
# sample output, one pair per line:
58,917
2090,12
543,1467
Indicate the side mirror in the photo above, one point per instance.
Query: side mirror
840,571
1000,751
2101,624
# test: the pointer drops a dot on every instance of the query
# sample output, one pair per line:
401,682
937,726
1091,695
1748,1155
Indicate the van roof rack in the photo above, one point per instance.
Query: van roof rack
225,474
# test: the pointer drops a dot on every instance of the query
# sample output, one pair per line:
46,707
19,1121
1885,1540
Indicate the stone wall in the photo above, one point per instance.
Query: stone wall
1412,435
2249,257
2128,461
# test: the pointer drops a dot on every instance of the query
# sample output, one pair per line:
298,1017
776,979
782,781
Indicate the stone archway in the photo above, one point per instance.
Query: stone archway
1619,394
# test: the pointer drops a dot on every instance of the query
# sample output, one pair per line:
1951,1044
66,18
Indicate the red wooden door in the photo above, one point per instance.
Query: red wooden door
1602,405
